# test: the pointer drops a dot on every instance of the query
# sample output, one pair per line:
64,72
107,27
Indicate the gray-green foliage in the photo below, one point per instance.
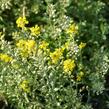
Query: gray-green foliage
50,89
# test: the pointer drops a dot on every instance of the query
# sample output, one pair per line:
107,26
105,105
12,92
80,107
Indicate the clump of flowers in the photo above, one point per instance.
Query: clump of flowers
49,54
31,44
21,22
26,47
5,57
35,30
56,55
73,29
68,66
43,45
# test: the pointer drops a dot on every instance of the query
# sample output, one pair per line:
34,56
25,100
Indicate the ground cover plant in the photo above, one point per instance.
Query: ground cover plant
54,54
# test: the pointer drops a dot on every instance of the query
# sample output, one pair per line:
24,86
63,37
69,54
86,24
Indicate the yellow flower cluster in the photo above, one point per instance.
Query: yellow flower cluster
82,45
73,29
26,47
25,86
69,65
5,58
43,45
21,22
80,75
56,55
35,30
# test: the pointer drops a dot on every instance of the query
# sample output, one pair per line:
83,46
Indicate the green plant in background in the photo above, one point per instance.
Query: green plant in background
53,54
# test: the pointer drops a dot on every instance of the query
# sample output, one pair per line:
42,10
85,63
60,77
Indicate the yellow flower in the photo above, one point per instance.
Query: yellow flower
56,55
30,45
69,65
43,45
21,44
35,30
26,47
5,58
21,22
25,86
80,75
82,45
73,29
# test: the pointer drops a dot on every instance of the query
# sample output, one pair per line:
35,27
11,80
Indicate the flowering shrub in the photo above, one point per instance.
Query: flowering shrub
54,54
